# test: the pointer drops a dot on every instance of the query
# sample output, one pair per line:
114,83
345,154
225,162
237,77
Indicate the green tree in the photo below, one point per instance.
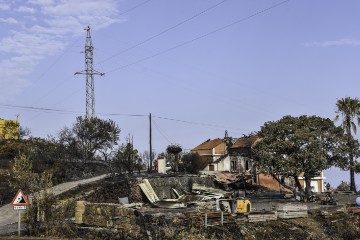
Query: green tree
175,150
343,186
127,158
192,162
357,168
298,145
69,144
349,110
9,130
22,173
91,135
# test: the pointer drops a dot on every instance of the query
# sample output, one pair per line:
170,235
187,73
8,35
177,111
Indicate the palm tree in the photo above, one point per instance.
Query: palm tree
349,109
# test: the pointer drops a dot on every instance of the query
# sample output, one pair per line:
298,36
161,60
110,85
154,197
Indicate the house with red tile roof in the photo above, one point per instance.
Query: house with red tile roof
217,156
210,151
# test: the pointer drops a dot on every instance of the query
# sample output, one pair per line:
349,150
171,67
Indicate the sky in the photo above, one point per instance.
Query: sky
200,67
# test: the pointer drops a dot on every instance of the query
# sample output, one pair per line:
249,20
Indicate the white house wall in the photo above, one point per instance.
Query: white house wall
241,162
224,164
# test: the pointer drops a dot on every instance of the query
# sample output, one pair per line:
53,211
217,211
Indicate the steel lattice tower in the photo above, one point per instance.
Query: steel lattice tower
89,72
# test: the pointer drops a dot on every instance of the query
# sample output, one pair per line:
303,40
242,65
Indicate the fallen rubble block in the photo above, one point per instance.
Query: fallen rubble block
291,210
288,215
262,216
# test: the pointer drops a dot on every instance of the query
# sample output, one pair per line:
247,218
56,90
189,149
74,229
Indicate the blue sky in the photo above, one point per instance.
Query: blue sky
217,65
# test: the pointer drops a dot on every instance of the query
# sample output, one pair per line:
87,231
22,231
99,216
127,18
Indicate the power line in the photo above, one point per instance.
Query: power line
162,132
38,108
164,31
134,7
30,108
200,37
197,123
126,11
122,114
41,109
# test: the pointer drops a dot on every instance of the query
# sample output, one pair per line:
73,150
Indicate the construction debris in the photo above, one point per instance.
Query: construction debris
328,199
169,203
231,178
330,211
208,193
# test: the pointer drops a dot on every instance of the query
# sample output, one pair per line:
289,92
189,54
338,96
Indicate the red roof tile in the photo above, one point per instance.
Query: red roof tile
245,142
209,144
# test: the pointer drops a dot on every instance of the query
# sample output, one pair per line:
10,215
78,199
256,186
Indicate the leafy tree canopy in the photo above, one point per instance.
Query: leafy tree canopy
91,135
192,162
174,149
127,158
295,145
9,129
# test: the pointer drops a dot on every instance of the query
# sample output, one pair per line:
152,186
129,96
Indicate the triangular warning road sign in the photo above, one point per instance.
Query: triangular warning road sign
20,199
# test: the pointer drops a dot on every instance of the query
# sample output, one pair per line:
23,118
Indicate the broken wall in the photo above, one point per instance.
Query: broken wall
163,186
110,192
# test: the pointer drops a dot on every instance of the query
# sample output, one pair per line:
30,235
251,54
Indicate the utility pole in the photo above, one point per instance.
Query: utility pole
89,72
151,154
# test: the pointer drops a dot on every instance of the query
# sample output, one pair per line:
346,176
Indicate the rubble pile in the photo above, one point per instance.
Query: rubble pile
140,211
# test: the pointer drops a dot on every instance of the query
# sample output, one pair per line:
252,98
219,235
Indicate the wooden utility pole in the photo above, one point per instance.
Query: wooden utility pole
150,136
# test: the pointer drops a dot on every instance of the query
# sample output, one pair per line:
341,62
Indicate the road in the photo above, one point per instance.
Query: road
9,216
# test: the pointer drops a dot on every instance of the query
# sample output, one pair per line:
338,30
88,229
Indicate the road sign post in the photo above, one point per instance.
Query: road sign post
19,223
20,202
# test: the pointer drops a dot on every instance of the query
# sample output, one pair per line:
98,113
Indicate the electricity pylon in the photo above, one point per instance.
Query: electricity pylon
89,72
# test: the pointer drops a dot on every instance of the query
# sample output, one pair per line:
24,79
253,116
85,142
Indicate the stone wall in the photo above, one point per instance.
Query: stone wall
104,215
163,186
107,221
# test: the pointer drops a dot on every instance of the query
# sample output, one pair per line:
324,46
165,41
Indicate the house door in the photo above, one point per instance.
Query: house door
211,168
